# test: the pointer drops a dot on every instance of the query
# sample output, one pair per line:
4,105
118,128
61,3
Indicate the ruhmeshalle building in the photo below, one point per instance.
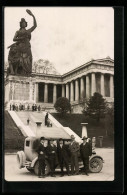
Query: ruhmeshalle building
76,85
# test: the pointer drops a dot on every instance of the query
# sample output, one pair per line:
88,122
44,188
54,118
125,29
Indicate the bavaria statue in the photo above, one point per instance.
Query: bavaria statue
20,56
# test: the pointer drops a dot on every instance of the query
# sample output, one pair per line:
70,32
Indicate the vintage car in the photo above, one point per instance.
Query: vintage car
29,157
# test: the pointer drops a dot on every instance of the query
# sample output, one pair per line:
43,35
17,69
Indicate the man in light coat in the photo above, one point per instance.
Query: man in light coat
74,150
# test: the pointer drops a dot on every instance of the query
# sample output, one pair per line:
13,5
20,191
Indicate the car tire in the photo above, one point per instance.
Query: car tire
21,159
47,167
95,165
30,170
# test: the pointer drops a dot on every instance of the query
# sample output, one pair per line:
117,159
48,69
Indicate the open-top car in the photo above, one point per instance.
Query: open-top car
29,157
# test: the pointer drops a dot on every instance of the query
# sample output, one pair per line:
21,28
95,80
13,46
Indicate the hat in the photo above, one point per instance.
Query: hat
84,137
60,139
42,138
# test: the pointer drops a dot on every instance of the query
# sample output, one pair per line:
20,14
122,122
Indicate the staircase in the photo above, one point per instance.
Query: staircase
56,131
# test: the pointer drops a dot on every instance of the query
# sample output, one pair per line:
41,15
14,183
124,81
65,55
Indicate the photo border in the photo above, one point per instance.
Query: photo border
78,186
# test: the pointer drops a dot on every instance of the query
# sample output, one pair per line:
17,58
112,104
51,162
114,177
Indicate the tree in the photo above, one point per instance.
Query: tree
62,105
95,107
45,67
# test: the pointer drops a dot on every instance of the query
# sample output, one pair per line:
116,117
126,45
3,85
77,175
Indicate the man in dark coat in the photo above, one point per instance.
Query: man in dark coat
85,151
74,150
51,151
41,158
46,118
63,156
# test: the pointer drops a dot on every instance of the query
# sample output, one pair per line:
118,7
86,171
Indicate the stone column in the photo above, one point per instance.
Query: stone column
54,93
111,87
46,93
93,84
102,85
67,90
63,91
76,90
36,100
34,92
72,92
82,87
30,91
87,86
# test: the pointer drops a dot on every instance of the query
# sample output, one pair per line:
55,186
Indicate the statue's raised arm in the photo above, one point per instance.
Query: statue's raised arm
34,20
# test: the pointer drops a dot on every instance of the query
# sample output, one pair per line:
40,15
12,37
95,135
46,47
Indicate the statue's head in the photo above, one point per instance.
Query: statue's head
23,23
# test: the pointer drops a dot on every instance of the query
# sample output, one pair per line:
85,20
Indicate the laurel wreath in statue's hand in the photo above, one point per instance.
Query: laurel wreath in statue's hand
29,12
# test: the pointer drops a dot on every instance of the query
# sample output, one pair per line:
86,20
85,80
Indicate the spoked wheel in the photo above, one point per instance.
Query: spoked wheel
47,168
30,170
95,165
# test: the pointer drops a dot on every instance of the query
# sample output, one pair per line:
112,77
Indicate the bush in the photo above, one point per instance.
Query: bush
62,105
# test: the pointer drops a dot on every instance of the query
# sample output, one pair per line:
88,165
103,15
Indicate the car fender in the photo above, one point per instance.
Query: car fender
96,156
34,161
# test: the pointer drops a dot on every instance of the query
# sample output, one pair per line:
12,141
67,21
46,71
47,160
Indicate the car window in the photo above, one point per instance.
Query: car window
27,143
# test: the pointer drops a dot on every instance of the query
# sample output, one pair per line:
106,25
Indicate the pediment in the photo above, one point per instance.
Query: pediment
105,62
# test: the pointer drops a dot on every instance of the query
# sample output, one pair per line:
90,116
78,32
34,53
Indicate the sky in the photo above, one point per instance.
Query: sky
66,36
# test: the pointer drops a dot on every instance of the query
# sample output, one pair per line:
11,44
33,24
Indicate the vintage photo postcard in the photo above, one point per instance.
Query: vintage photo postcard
59,94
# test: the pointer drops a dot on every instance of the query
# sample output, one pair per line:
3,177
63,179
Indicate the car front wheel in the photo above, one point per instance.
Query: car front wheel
95,165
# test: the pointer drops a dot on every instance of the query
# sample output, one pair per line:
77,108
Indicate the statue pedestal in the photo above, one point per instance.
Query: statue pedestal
19,89
84,129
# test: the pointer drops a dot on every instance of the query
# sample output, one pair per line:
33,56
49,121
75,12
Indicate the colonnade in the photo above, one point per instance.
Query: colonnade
82,87
86,86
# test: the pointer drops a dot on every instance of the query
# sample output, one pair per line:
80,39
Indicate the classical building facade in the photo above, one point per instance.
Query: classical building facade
80,83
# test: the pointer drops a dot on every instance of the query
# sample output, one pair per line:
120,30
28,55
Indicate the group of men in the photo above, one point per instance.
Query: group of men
23,107
64,154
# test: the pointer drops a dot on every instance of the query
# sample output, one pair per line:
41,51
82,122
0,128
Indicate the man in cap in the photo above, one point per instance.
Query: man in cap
74,150
63,156
41,158
52,156
85,151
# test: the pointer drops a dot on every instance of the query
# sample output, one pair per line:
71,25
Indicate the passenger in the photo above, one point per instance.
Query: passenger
41,158
51,150
85,151
63,156
74,150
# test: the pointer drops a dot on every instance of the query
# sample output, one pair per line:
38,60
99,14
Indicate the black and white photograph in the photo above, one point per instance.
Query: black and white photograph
59,94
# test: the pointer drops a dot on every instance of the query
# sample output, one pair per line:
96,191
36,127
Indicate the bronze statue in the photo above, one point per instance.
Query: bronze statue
20,56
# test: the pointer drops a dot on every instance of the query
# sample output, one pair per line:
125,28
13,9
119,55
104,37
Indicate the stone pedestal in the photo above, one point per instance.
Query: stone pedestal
19,89
38,127
84,129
